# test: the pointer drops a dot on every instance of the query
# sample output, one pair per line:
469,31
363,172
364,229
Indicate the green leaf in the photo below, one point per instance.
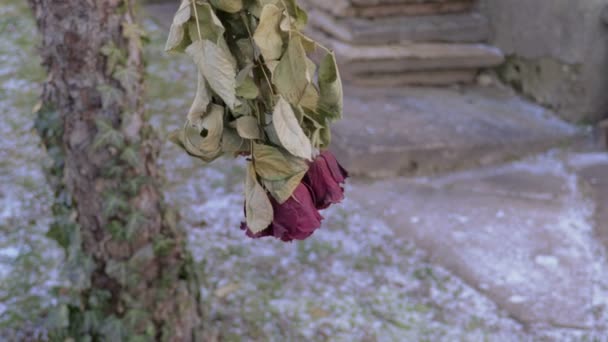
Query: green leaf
118,270
201,99
273,164
290,76
248,128
175,41
258,208
247,89
113,329
131,156
107,135
230,6
288,130
330,87
281,190
58,318
142,257
218,66
210,26
267,35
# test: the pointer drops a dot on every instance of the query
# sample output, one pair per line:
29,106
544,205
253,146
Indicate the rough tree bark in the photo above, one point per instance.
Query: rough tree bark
132,273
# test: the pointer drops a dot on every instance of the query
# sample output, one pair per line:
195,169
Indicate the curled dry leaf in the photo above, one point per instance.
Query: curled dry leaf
330,87
201,100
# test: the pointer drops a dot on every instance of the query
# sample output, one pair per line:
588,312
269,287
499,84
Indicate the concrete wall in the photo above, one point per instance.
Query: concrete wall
557,53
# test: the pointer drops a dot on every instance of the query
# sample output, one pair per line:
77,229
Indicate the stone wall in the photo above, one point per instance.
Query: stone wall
557,53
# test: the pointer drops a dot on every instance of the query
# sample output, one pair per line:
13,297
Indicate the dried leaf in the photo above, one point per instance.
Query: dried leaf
310,99
288,130
281,190
290,75
308,43
267,35
233,143
230,6
213,125
246,50
201,100
247,89
258,208
273,164
242,109
175,41
210,26
218,66
248,128
330,87
201,138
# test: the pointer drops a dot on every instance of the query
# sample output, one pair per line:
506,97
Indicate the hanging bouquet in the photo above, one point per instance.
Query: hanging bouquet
260,95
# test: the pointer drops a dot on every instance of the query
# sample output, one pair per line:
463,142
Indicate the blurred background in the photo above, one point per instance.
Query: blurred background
478,206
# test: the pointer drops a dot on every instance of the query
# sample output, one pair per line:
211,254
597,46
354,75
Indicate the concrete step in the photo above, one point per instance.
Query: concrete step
410,63
412,78
468,27
395,131
380,8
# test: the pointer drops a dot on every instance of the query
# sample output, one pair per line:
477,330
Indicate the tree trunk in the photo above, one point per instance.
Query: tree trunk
127,260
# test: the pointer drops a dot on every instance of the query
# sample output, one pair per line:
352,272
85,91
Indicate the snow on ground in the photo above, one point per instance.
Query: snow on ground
353,280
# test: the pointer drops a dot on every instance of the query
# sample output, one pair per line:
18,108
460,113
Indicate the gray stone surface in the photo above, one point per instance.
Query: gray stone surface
408,60
345,8
546,35
521,233
405,131
593,172
461,27
410,78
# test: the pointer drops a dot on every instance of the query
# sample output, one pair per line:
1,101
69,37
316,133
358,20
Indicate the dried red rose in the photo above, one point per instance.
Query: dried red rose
299,217
326,177
295,219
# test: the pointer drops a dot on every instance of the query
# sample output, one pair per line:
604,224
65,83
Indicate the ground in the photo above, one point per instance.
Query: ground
367,275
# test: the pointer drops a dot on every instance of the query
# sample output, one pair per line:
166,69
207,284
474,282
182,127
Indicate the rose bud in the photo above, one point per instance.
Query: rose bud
295,219
326,177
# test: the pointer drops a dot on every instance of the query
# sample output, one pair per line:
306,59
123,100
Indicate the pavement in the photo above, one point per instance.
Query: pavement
531,235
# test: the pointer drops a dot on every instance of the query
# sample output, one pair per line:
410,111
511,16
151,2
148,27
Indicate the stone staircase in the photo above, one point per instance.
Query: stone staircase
404,42
418,100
